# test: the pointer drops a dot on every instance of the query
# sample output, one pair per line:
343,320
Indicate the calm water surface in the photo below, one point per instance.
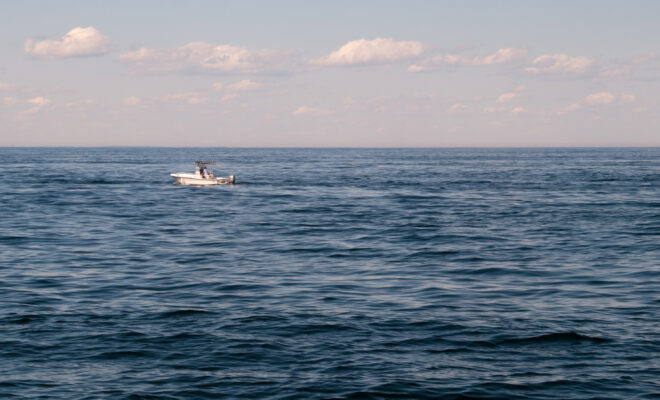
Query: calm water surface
330,274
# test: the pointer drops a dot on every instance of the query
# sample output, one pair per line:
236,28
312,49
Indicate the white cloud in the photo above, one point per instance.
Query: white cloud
561,64
457,108
245,85
6,86
507,97
206,57
132,101
574,107
518,110
37,103
505,55
196,100
627,98
234,90
306,110
372,52
77,42
192,98
501,56
570,108
438,61
599,99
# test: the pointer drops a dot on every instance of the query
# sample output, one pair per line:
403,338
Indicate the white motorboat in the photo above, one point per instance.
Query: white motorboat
201,176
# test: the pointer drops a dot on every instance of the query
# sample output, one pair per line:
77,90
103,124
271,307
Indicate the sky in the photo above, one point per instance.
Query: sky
330,74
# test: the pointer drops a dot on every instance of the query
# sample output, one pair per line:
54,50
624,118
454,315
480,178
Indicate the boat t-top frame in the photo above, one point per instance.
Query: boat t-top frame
202,164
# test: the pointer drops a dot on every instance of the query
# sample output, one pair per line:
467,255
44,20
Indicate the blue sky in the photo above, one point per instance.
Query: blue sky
299,73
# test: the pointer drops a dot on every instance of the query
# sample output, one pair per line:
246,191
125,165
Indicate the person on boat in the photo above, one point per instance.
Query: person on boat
205,173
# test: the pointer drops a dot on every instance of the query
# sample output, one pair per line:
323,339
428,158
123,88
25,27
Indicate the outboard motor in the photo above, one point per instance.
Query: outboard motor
231,178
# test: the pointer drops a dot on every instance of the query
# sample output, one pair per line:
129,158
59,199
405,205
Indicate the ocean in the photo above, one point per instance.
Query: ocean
330,274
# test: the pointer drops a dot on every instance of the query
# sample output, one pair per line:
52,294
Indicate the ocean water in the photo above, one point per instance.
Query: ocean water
330,274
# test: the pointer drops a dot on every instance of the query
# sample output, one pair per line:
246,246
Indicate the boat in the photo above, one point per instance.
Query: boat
201,176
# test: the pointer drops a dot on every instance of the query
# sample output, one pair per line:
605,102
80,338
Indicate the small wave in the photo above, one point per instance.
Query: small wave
260,318
14,239
183,313
23,319
114,355
558,337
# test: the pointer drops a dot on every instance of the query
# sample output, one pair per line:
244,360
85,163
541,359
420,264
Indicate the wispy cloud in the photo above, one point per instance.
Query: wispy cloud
75,43
132,101
246,85
645,58
36,104
458,108
208,58
186,98
238,89
379,51
517,110
507,97
307,110
599,99
505,55
39,102
562,65
510,97
4,86
9,101
595,101
192,98
626,67
627,98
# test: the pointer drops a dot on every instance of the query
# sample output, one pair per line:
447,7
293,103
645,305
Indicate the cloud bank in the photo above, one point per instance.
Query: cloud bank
208,58
78,42
502,56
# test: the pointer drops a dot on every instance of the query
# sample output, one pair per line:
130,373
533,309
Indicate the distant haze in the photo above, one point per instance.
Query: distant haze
335,74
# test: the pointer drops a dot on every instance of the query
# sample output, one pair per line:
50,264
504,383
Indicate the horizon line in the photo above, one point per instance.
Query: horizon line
334,147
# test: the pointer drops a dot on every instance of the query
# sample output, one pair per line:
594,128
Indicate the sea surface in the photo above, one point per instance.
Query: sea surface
330,274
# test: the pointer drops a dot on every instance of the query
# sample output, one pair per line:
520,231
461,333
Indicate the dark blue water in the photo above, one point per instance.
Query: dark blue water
330,274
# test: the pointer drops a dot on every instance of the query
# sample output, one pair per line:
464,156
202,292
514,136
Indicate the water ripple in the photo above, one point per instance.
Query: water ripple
331,274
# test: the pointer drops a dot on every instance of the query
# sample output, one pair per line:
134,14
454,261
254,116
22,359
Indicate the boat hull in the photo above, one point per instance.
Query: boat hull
191,179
